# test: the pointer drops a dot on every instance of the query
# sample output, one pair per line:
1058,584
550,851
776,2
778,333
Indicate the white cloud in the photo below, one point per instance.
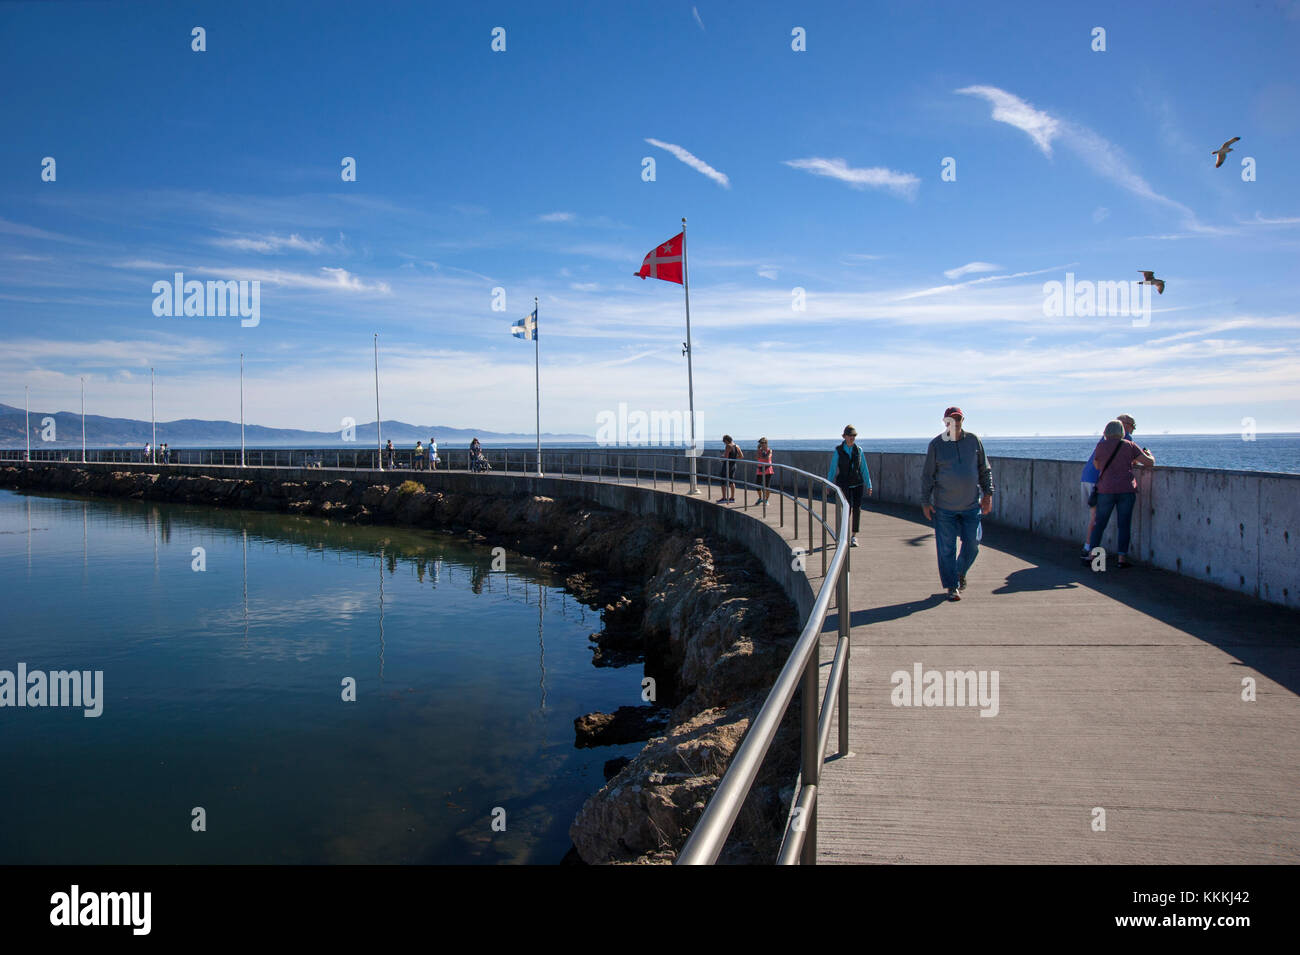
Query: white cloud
1011,109
699,165
1100,213
970,268
8,227
331,280
875,177
696,14
557,217
271,244
1104,157
981,281
1263,220
767,273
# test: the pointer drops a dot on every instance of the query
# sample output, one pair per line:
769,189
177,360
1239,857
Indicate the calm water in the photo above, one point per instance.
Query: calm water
222,690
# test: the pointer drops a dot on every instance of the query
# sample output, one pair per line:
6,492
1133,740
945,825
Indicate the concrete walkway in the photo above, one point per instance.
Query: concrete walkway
1118,691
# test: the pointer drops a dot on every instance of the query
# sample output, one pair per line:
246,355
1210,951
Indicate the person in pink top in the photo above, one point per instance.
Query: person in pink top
1114,458
764,455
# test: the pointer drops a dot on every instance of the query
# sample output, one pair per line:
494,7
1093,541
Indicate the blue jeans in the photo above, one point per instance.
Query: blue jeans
1121,504
947,526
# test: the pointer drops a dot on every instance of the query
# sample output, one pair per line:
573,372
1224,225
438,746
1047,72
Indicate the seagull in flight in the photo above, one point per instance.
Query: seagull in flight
1222,151
1149,278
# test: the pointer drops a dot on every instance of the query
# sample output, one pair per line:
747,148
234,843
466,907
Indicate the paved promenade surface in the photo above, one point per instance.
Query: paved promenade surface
1120,691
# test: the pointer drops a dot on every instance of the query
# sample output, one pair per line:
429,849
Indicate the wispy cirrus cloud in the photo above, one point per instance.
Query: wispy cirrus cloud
695,162
970,268
8,227
556,217
1275,220
1104,157
939,289
271,244
695,12
329,279
875,177
1011,109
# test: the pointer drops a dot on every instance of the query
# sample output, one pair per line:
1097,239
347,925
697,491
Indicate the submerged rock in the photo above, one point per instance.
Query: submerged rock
627,724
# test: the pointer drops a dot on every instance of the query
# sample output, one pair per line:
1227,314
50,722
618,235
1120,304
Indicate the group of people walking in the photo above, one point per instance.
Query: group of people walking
422,458
160,455
956,492
731,453
957,489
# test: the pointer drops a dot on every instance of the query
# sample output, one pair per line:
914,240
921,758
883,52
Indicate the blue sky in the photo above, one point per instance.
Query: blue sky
522,170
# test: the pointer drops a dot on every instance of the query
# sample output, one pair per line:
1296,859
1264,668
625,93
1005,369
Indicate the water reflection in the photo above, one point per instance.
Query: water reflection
241,703
392,568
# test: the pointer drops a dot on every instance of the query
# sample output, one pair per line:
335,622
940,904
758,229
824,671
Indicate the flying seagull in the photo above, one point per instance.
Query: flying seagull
1222,151
1149,278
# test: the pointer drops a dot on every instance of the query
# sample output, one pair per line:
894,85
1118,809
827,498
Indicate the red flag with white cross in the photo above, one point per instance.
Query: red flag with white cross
664,261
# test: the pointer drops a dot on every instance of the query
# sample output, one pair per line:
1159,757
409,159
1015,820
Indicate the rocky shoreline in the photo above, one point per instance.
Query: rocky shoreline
711,628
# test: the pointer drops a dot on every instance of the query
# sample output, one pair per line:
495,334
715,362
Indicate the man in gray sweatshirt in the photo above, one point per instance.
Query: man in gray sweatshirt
956,489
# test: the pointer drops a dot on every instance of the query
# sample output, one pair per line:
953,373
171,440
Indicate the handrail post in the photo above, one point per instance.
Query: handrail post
824,537
794,507
811,763
810,518
846,628
845,613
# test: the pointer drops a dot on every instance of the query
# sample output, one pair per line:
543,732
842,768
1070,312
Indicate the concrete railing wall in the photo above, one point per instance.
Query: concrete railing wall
1229,528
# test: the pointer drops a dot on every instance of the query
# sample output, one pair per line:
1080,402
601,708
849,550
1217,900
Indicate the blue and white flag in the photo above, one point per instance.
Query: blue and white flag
526,328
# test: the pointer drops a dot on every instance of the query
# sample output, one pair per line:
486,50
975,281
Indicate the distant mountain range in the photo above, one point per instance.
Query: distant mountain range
102,432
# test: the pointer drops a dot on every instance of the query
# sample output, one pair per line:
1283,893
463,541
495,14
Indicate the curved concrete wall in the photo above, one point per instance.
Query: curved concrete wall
1229,528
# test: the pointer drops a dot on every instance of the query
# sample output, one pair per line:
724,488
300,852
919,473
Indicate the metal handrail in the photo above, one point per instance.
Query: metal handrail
801,668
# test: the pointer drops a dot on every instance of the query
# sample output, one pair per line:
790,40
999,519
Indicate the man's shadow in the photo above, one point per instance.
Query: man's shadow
1036,578
859,618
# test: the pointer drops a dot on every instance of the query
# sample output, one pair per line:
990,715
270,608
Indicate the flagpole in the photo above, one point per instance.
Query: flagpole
153,422
379,428
83,419
690,375
241,409
27,394
537,381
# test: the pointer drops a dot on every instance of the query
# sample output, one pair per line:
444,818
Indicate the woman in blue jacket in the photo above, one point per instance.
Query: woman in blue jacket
849,473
